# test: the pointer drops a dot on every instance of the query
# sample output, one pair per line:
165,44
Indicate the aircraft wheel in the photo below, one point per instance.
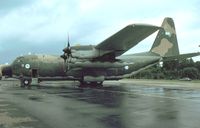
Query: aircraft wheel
91,84
83,84
100,83
97,84
26,83
94,84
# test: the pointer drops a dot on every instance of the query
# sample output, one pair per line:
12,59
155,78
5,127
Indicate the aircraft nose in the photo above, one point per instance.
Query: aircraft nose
6,71
0,73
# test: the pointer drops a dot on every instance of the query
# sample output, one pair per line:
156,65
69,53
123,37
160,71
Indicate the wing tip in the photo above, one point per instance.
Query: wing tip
144,25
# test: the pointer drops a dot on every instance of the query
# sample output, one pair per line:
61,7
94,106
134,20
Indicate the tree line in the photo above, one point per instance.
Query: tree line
175,69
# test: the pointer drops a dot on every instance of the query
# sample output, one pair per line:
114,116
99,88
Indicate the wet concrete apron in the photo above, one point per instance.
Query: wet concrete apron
116,105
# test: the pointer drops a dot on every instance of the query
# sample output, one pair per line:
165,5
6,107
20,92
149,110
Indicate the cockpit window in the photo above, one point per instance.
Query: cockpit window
19,59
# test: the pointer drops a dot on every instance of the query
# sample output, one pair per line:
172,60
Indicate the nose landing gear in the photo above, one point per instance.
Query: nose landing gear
25,82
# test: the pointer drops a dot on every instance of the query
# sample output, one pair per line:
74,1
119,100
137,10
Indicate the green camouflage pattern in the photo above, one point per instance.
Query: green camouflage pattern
166,43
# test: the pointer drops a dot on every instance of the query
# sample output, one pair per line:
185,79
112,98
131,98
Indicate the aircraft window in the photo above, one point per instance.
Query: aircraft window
19,59
168,34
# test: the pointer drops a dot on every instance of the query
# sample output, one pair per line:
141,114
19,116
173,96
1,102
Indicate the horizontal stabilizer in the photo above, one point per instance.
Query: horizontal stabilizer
126,38
181,56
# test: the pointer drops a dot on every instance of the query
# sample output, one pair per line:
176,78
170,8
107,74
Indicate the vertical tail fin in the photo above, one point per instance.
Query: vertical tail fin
166,43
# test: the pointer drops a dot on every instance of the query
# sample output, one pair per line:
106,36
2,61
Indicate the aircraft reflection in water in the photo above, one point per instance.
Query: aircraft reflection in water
94,64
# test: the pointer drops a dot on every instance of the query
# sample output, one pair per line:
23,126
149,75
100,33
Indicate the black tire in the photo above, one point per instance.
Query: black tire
91,84
83,84
25,83
100,83
96,84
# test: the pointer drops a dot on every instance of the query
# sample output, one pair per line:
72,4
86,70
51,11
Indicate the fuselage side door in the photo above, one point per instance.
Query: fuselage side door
34,73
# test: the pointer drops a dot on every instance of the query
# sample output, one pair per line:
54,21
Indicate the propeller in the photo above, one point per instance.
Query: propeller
67,53
67,50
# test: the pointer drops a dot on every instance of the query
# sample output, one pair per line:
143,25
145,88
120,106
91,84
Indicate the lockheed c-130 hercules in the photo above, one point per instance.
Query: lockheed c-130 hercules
92,65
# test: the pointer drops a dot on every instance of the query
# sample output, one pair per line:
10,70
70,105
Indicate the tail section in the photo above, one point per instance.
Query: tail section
166,44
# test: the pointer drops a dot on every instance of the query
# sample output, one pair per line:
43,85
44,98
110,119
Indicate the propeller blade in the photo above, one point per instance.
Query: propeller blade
68,44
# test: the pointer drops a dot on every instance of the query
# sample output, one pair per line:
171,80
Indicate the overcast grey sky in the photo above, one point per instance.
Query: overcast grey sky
41,26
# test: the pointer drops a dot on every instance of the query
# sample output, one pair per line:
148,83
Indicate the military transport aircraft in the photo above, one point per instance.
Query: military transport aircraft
94,64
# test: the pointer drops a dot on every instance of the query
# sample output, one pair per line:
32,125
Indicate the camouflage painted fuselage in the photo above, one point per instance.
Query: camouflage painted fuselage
54,66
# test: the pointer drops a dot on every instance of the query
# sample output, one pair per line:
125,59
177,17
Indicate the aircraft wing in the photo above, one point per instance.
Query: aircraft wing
126,38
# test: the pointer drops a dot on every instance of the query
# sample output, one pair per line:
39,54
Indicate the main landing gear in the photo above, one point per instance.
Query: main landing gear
91,84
